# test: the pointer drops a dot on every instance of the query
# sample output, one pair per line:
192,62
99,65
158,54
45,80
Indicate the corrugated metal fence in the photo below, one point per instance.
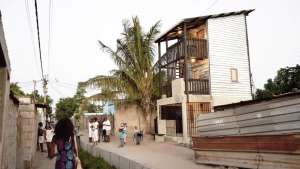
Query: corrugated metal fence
277,116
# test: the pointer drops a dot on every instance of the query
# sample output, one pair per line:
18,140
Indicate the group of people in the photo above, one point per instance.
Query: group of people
45,135
137,135
99,130
62,137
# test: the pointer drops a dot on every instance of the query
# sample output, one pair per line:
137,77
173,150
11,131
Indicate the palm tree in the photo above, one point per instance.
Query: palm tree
134,78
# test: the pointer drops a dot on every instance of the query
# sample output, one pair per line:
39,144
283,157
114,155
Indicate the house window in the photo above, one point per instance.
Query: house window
234,75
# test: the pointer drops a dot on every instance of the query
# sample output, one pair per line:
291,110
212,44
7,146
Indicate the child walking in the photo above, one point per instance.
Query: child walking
122,135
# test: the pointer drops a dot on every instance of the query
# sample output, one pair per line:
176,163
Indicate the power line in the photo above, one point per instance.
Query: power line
56,90
31,32
66,86
38,32
49,34
210,6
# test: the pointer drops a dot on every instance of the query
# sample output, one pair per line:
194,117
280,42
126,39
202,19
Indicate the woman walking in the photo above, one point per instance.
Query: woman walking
66,145
49,135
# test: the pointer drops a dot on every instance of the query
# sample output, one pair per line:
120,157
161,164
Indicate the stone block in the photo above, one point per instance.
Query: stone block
27,112
101,153
115,160
27,128
106,156
25,100
135,165
124,163
159,138
98,152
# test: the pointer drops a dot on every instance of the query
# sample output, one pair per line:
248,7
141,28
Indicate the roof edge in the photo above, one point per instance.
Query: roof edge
205,17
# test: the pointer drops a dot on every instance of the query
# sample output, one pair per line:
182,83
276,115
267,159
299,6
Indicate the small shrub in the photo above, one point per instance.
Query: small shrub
90,162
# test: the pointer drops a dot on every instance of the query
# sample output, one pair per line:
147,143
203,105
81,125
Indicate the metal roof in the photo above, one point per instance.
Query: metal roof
250,102
195,21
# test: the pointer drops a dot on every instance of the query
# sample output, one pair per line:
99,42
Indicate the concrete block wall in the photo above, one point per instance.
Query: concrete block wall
114,159
28,134
9,149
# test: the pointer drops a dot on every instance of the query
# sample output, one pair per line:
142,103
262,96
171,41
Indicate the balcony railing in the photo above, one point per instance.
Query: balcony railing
198,86
196,48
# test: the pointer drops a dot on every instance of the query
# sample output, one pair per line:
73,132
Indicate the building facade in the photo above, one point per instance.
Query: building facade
206,63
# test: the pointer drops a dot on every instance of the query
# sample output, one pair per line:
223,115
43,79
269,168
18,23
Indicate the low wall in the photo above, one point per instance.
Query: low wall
277,116
114,159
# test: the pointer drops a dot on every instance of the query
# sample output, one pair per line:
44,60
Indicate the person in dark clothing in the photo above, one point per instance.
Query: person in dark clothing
66,145
99,129
41,136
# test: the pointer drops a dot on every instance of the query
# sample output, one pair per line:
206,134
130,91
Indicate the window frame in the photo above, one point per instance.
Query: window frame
232,72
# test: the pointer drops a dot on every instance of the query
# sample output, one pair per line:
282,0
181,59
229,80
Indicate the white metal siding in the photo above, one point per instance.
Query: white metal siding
228,49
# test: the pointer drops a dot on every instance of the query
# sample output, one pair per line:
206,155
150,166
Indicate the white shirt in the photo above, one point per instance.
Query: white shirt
49,135
106,125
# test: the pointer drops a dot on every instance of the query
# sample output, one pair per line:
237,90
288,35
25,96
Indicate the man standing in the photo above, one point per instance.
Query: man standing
41,136
106,129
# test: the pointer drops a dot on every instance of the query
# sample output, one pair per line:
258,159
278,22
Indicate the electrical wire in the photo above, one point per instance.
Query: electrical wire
38,34
49,34
56,90
31,34
210,6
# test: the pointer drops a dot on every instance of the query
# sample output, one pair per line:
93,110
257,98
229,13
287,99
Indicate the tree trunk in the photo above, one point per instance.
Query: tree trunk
139,117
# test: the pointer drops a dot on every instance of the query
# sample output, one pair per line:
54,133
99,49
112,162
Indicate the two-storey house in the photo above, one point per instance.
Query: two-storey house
206,63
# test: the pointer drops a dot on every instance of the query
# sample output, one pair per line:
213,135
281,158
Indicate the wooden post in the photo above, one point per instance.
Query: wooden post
185,101
185,61
167,45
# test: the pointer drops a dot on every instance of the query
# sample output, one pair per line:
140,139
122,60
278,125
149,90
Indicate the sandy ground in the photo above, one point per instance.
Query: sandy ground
41,161
154,155
151,154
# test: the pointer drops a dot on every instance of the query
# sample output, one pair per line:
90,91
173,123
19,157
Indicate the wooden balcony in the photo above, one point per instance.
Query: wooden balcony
198,86
195,87
196,48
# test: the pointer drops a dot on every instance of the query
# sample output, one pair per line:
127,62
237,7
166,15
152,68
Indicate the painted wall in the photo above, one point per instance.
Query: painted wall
129,114
228,49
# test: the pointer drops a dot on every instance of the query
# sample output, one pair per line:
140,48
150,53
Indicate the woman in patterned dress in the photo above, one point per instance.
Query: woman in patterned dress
66,146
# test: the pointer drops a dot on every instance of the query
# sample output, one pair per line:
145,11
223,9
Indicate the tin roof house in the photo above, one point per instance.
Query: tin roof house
206,63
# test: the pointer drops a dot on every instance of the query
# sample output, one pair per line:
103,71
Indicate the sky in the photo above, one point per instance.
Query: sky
70,51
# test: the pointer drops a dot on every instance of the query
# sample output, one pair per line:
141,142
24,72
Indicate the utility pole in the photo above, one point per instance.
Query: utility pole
45,89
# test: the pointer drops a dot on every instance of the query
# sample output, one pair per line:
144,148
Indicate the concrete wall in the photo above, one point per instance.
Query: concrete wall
10,136
28,136
228,50
130,114
116,160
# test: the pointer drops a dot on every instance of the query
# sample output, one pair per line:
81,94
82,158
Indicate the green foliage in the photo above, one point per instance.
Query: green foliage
134,79
39,99
65,108
16,89
90,162
286,80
